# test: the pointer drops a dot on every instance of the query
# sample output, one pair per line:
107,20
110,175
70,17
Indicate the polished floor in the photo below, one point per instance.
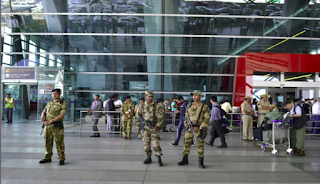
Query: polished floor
113,160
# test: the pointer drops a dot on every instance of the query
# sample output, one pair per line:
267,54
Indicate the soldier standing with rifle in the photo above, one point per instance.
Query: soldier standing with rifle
199,115
150,115
52,117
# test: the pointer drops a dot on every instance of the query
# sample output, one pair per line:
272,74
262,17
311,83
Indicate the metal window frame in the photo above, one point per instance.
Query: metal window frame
155,92
162,15
165,35
125,54
152,73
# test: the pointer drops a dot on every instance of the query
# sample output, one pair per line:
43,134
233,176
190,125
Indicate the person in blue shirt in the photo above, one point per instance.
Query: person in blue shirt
174,105
182,111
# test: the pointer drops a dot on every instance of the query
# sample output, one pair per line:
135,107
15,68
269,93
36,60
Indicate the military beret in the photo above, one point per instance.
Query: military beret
56,90
247,97
128,97
197,92
264,95
148,93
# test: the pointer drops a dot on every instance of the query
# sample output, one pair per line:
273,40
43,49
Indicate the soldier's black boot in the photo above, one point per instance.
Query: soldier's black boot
44,161
61,162
201,163
184,160
160,164
147,160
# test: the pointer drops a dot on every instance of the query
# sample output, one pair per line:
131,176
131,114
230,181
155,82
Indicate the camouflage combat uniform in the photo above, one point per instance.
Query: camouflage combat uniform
127,108
193,113
146,112
52,110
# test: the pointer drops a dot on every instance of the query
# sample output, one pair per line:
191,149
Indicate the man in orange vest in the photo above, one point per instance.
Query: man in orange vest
10,105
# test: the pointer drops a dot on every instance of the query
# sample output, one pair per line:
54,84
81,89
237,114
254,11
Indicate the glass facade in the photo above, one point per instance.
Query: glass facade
168,46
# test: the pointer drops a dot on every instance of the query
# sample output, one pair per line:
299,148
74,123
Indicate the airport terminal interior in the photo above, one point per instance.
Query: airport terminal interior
224,48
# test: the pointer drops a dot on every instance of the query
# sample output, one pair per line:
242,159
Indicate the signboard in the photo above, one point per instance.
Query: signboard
138,85
19,73
46,90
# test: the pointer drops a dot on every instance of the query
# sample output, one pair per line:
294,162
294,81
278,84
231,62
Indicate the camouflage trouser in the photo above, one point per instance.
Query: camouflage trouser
126,123
57,135
147,134
187,143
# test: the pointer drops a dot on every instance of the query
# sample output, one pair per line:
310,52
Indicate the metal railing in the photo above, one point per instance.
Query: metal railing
235,122
118,123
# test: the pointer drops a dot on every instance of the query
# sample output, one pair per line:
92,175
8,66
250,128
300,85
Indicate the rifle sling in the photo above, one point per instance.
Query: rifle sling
154,114
196,125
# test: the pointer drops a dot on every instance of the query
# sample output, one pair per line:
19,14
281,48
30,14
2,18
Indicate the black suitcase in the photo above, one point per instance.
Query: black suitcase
257,134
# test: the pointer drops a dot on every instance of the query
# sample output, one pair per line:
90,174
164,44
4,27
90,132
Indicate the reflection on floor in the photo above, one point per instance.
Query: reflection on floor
111,159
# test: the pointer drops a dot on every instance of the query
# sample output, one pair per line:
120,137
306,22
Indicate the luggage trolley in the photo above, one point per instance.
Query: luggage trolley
280,130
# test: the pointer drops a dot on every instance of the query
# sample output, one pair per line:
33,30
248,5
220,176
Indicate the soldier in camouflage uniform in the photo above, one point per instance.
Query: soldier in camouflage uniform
146,111
193,112
52,117
127,109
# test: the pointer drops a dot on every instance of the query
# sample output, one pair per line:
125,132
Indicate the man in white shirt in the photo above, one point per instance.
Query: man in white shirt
117,104
226,106
316,116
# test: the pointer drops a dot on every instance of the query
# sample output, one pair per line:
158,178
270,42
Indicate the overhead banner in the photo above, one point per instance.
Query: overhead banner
19,73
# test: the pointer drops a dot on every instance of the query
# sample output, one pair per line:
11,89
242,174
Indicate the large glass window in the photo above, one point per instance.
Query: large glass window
298,76
186,83
266,76
94,82
285,46
137,82
171,47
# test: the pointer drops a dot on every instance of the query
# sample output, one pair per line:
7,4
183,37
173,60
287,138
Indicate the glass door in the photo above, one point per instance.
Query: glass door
15,93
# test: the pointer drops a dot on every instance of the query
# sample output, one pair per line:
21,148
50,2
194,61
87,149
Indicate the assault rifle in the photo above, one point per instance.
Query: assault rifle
191,126
43,124
146,123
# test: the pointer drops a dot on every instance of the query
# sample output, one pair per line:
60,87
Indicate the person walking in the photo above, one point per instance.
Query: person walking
10,105
316,116
153,113
215,119
127,110
199,116
183,109
96,106
247,121
52,118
